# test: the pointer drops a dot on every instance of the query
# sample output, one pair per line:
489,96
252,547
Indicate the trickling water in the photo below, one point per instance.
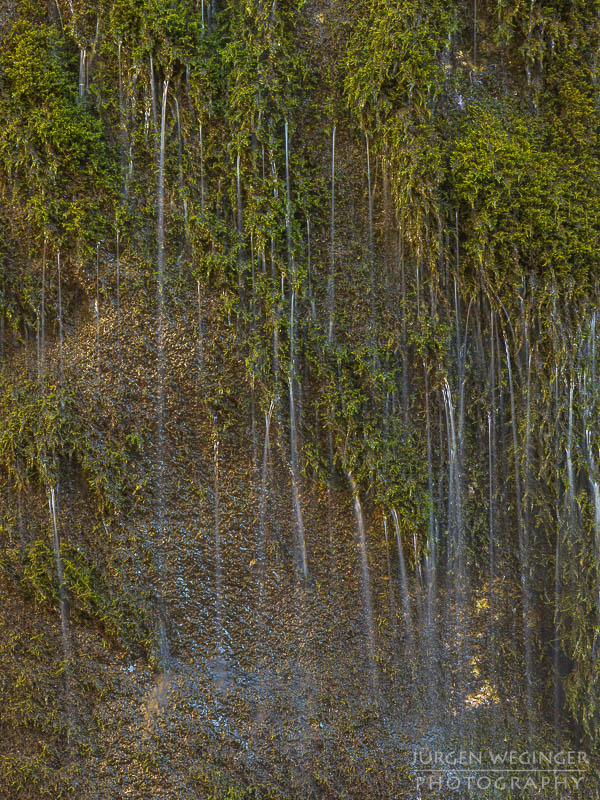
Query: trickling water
391,599
82,57
63,607
60,323
200,350
593,343
118,265
295,471
365,582
262,539
217,546
42,366
330,535
201,174
240,225
288,199
153,95
123,129
404,329
557,564
295,474
523,549
163,640
97,313
180,164
404,588
491,495
311,300
331,281
431,565
371,252
276,311
456,550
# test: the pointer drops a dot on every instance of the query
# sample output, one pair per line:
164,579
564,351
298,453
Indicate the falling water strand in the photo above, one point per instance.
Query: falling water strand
275,308
180,165
118,309
491,507
526,611
153,95
456,556
371,252
63,606
82,58
557,563
122,127
240,230
97,313
404,588
60,324
164,644
404,338
43,317
367,603
201,174
331,281
311,300
432,547
262,539
391,600
295,470
217,545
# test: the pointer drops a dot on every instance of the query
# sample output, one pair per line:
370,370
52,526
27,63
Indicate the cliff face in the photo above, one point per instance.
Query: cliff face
298,393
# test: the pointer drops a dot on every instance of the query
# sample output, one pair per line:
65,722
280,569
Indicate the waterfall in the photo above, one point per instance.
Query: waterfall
42,367
275,311
240,229
60,324
523,554
288,199
491,495
371,254
390,593
217,546
455,527
118,311
295,474
201,175
295,471
82,58
456,550
180,165
97,314
153,95
262,540
332,552
311,299
331,281
163,640
367,603
431,564
200,352
557,564
404,335
123,128
404,588
63,603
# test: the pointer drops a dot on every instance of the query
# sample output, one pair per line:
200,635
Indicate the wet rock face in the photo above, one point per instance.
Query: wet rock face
299,397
